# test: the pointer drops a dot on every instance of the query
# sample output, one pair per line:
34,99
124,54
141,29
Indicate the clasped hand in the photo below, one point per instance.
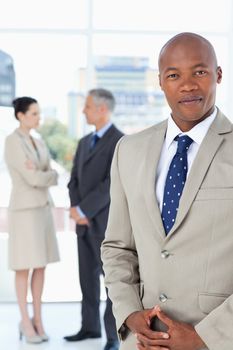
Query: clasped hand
179,335
77,218
30,165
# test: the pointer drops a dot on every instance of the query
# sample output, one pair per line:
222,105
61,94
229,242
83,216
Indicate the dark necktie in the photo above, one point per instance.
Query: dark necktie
175,182
95,138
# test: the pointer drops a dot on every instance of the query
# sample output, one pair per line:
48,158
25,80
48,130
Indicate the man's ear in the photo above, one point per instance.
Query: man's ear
160,82
219,74
102,107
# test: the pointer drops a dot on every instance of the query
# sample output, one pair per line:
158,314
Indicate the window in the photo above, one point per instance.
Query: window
60,49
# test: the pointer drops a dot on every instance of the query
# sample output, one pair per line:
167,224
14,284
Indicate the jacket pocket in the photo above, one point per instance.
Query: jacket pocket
210,301
214,193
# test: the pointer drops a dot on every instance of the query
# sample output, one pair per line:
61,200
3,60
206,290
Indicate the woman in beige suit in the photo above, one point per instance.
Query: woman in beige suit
32,241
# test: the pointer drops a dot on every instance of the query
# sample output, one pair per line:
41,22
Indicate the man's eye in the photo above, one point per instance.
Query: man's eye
172,76
200,72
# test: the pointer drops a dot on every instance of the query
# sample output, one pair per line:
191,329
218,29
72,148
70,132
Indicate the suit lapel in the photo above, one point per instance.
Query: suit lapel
204,157
86,148
88,154
27,146
149,177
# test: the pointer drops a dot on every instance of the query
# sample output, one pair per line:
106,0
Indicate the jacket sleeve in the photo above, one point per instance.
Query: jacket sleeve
73,183
15,158
118,251
216,328
97,199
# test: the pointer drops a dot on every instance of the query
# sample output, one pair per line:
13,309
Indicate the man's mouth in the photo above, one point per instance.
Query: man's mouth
188,100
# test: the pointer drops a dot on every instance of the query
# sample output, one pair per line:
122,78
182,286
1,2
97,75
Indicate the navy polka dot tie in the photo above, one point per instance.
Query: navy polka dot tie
175,182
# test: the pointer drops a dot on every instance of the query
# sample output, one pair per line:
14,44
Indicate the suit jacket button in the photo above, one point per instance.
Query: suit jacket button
165,254
163,298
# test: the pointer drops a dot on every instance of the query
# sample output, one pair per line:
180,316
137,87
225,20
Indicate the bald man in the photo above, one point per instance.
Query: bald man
168,251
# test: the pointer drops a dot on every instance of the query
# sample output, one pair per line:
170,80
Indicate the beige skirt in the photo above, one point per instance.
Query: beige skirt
32,239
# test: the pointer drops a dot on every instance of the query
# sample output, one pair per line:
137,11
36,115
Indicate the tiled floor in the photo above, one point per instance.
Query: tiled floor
59,318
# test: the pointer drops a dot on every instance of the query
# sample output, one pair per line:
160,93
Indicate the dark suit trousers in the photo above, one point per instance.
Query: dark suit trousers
90,268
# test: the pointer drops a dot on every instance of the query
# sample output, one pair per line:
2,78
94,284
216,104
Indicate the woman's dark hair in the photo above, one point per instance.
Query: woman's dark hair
21,104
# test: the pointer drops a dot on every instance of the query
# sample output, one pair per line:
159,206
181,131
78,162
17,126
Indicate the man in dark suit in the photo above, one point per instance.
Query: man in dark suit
90,199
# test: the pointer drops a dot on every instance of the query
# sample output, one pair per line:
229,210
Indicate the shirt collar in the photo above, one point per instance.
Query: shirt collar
197,133
103,130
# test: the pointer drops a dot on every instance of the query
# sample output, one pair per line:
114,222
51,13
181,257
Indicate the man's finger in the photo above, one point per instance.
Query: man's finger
152,342
153,334
153,313
164,318
141,347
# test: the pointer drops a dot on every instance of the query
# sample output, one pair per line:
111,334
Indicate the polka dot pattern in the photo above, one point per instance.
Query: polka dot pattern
175,182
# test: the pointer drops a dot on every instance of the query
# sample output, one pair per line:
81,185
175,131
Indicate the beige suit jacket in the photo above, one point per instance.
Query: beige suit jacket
29,187
189,273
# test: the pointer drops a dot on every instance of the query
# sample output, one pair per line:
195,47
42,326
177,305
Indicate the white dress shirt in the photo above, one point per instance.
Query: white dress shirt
197,133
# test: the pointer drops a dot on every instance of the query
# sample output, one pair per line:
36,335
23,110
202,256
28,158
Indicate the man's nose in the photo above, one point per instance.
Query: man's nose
188,84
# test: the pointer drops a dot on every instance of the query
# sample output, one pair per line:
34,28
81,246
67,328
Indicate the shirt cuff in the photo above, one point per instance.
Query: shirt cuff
80,212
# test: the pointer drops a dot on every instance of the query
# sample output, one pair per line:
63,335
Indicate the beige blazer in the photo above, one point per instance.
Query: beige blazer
189,273
29,187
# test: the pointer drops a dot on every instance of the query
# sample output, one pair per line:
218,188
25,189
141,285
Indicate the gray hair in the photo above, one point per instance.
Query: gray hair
103,96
